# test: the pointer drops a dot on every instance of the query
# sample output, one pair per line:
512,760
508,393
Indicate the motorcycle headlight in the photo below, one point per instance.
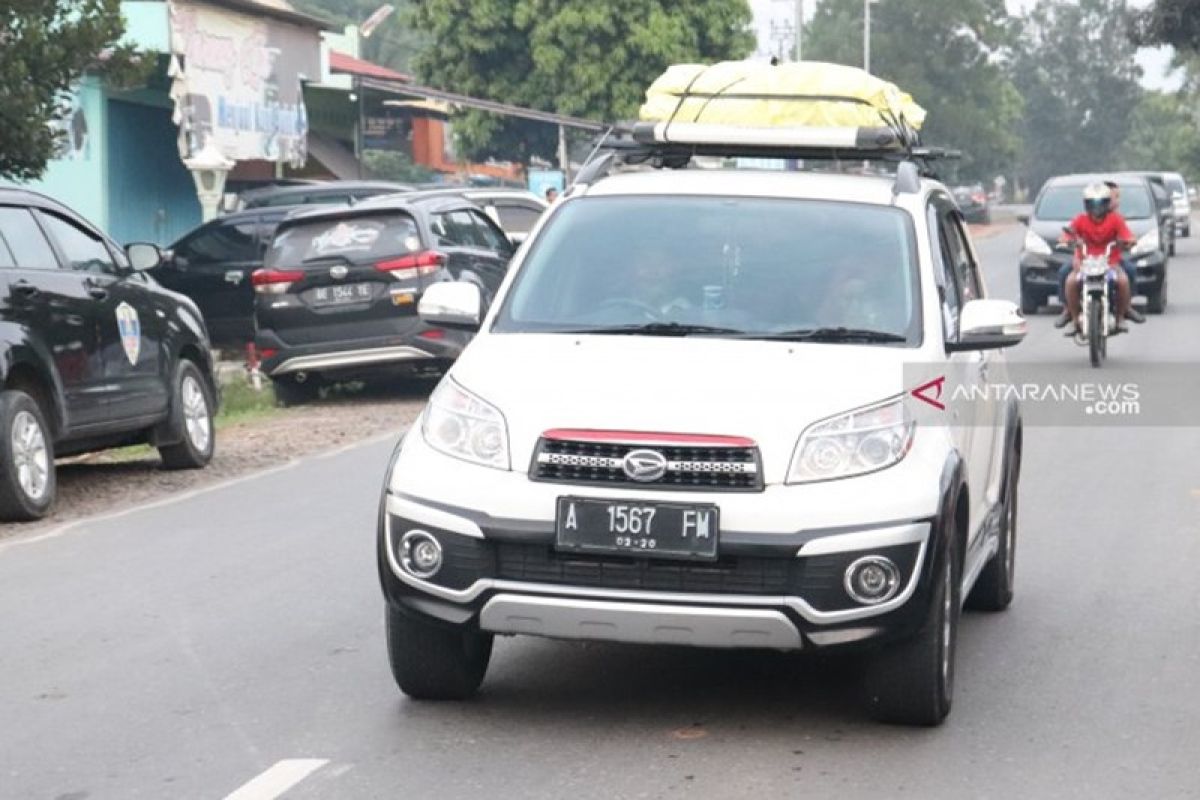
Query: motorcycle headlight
855,443
464,426
1036,244
1148,243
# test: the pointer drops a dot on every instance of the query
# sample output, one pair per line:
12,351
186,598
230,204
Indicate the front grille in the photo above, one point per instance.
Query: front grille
695,467
730,575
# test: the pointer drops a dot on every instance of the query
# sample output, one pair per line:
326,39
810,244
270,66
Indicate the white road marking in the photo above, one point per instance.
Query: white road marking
18,540
276,780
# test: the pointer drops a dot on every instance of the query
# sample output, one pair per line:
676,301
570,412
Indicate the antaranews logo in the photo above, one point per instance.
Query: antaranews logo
931,392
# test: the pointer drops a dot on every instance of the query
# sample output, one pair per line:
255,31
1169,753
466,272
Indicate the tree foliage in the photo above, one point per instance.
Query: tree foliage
45,47
394,44
578,57
949,55
1162,135
1169,22
1076,72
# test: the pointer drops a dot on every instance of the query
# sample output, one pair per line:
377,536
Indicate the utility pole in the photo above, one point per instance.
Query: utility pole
867,34
799,25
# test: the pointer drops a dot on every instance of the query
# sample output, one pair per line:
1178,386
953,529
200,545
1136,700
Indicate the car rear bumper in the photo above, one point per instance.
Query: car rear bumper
378,354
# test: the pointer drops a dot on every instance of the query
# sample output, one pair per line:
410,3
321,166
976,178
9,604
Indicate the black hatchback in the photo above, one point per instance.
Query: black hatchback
337,296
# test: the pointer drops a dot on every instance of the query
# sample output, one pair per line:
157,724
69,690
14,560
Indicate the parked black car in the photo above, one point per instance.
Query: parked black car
337,296
1059,201
93,353
212,265
973,202
326,193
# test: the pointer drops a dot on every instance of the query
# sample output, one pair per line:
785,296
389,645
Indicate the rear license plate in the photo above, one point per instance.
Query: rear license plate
656,530
341,294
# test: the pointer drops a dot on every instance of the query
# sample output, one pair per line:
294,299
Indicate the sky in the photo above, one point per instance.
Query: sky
1155,61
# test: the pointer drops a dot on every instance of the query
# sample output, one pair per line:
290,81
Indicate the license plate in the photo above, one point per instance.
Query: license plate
340,294
655,530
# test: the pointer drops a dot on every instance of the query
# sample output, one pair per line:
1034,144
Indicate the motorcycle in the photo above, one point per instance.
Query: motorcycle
1098,281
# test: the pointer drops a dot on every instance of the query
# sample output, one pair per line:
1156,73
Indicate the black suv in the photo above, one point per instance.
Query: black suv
93,353
337,296
212,265
328,193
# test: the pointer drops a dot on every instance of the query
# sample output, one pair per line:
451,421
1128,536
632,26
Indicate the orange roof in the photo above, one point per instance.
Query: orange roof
342,62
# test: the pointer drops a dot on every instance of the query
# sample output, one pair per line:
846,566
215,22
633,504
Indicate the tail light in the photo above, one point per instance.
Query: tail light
274,281
979,197
410,266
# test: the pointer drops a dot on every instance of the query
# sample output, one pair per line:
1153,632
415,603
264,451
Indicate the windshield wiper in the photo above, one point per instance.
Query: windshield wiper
839,334
661,329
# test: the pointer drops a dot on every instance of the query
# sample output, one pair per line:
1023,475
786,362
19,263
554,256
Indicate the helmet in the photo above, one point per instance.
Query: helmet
1097,198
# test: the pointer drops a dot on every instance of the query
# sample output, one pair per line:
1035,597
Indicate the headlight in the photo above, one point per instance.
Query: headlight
1036,244
1147,244
855,443
464,426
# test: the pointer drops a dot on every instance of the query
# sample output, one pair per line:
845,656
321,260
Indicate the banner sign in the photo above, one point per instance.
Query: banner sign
237,82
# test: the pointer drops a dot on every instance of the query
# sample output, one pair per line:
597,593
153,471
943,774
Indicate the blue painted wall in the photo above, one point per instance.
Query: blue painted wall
151,196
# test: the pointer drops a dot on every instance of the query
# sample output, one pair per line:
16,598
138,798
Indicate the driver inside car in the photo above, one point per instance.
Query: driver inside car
661,281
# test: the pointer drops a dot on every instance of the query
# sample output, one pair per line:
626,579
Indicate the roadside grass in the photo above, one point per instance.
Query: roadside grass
240,402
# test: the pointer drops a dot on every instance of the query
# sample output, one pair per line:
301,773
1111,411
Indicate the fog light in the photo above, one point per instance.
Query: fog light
420,554
872,580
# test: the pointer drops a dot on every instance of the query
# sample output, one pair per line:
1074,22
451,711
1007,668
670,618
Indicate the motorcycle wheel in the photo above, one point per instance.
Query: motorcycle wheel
1096,333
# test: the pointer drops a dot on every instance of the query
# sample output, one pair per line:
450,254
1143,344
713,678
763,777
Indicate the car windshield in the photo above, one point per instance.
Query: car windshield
354,239
738,267
1065,202
1176,186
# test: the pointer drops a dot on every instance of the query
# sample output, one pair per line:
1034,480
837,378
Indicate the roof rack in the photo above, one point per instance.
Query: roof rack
672,145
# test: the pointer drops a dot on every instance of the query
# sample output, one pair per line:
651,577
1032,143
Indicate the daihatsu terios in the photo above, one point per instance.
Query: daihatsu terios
688,418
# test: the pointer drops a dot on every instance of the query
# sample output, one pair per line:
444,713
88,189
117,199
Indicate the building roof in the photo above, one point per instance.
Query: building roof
276,9
343,62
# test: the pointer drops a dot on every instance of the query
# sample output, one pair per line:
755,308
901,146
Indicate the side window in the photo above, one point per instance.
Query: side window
466,230
84,252
23,241
437,226
944,272
219,244
961,258
491,236
517,219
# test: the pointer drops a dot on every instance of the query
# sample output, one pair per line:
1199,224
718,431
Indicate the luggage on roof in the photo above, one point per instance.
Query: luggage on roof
761,94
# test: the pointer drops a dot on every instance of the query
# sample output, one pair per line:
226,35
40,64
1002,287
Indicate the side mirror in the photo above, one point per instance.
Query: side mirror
988,325
143,256
1023,219
452,304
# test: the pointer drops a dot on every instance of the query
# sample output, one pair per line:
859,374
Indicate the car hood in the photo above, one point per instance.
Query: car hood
767,391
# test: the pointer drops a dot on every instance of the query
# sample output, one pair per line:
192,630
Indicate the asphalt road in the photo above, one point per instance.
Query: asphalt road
235,636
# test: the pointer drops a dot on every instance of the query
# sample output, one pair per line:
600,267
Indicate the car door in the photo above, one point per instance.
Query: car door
53,306
212,266
494,250
454,234
970,413
130,326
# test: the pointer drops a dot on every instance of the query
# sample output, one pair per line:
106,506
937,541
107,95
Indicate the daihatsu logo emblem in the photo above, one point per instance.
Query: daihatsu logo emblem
644,466
338,272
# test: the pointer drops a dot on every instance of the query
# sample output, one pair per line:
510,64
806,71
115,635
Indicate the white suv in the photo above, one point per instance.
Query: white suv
689,418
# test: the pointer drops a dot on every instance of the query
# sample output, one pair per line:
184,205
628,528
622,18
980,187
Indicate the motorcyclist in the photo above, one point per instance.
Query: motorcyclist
1126,263
1095,229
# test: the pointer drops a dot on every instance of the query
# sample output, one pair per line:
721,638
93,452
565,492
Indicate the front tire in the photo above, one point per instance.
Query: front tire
1030,302
435,662
27,484
192,426
1096,333
1156,303
912,682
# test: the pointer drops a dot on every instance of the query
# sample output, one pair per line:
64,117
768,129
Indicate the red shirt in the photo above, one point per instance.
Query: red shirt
1097,235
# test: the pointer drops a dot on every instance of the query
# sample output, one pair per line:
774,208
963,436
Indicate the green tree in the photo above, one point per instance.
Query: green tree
1162,135
395,166
1172,22
579,57
45,48
393,44
949,55
1077,74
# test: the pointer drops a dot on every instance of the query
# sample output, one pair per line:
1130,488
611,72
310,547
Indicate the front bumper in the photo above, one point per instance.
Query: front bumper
505,577
1040,273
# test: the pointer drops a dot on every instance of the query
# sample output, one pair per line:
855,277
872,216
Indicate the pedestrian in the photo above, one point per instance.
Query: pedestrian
551,194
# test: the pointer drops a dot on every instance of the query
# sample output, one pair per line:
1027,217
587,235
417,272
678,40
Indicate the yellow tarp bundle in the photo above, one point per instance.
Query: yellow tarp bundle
741,93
